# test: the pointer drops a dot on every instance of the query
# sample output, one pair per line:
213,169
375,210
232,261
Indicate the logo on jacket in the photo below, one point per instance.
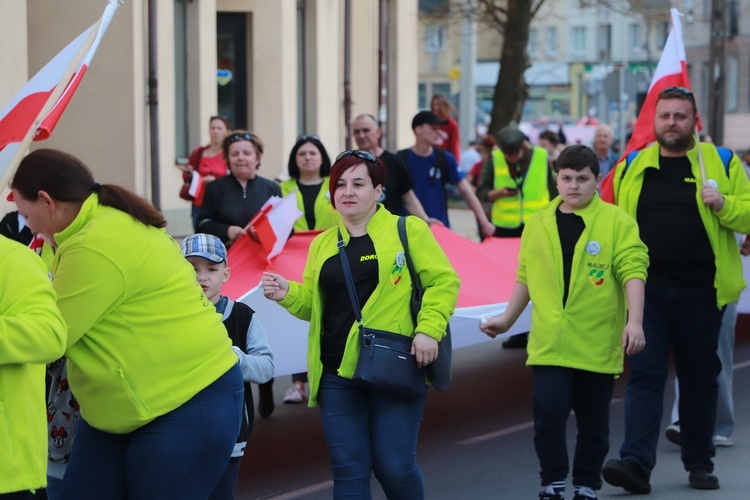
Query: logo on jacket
398,268
596,277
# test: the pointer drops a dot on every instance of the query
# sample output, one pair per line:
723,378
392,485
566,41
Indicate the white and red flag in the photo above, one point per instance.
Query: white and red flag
33,113
274,223
670,72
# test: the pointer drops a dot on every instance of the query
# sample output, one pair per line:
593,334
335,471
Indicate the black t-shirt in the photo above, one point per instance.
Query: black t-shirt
569,227
670,225
397,183
338,314
309,195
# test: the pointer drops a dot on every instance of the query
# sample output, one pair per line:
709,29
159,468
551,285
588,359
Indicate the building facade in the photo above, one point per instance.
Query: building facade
274,67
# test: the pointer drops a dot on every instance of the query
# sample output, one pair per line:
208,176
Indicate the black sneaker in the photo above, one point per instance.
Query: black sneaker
703,479
546,495
626,474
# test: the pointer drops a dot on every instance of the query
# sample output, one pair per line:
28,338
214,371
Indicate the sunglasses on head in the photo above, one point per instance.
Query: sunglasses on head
676,89
301,138
219,117
240,136
365,155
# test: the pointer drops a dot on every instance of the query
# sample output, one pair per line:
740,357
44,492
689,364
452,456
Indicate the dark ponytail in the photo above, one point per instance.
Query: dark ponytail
66,178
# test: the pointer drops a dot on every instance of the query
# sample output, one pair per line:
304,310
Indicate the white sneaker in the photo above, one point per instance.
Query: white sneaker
723,441
672,433
294,395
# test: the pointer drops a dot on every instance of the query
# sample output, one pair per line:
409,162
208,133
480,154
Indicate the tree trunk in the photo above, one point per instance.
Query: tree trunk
511,89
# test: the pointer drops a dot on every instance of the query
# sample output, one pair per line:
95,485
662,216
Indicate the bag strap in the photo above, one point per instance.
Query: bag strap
416,286
349,280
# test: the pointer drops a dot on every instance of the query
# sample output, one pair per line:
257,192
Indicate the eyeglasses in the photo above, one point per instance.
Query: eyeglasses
240,136
301,138
676,89
365,155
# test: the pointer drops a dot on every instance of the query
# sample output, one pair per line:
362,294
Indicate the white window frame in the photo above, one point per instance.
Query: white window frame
550,41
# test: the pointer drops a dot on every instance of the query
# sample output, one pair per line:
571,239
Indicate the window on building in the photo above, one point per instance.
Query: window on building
604,41
533,46
180,80
732,84
440,88
434,38
578,40
635,38
422,96
662,32
434,7
550,41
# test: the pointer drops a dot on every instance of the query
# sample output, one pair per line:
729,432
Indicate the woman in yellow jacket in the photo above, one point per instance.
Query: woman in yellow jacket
149,360
367,430
32,333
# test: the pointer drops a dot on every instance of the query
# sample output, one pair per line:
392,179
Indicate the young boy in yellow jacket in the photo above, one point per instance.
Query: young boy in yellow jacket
583,266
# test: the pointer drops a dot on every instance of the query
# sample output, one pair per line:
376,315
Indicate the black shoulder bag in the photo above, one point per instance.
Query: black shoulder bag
439,371
385,361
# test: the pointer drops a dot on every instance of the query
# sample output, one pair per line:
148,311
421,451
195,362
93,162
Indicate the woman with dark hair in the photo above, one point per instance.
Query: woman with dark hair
207,162
309,167
230,202
449,133
150,363
367,430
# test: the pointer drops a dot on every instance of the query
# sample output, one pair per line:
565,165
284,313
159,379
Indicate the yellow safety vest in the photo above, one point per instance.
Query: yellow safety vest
512,211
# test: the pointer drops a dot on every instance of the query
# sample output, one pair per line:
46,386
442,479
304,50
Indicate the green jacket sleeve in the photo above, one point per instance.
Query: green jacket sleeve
735,214
31,327
630,259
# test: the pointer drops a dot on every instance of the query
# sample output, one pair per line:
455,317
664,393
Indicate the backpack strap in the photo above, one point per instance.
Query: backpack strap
726,156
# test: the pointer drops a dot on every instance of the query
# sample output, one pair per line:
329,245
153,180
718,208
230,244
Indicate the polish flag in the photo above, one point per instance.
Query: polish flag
671,71
34,112
274,223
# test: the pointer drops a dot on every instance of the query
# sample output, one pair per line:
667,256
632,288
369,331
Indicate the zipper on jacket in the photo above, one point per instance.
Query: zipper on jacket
7,434
131,390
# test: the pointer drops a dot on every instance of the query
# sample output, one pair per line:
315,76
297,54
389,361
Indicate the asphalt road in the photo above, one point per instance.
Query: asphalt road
476,441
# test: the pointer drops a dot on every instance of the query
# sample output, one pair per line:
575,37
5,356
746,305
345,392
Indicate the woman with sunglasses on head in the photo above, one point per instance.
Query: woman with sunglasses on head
207,161
230,202
367,430
149,361
309,167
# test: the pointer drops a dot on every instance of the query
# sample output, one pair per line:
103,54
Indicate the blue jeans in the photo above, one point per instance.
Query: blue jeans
370,431
725,406
686,322
557,391
179,455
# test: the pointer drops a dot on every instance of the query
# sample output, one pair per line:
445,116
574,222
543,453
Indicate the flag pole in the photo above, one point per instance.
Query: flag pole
51,101
701,162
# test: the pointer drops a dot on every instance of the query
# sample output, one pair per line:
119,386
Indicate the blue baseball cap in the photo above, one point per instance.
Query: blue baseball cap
206,246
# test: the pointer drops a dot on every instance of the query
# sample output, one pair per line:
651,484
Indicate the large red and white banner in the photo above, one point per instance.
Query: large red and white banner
34,112
487,271
670,72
